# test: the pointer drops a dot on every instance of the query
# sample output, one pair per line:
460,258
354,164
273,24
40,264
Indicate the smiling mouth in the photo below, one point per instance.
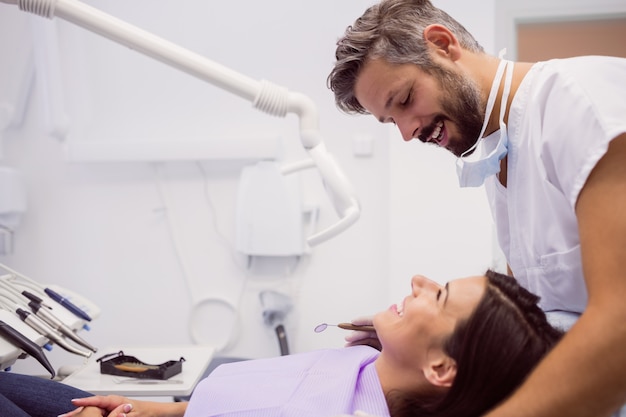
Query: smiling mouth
436,134
400,308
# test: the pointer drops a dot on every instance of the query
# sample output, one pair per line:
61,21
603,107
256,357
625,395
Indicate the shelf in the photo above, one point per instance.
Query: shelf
257,148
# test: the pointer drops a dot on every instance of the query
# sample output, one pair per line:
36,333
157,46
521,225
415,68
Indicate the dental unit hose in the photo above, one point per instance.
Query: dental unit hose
264,96
276,306
281,334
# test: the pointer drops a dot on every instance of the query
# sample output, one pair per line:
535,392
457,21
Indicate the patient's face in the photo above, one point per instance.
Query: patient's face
421,322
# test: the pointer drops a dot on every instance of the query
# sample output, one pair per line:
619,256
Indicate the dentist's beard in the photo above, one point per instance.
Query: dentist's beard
461,104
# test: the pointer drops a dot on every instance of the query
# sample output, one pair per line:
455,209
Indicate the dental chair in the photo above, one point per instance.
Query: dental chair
215,362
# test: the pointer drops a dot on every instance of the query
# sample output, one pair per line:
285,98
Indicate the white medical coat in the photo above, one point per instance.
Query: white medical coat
560,123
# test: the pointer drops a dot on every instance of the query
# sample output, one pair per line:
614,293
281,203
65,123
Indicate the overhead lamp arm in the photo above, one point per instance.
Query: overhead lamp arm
264,96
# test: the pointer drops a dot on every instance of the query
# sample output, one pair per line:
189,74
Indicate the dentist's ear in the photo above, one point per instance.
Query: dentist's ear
443,41
441,372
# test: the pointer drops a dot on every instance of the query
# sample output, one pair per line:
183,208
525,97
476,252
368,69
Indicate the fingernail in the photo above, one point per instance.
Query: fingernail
128,408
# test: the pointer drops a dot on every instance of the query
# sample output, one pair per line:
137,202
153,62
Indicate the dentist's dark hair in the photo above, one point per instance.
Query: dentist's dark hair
495,349
392,30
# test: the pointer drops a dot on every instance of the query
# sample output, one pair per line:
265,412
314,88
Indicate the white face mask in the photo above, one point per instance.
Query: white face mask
472,173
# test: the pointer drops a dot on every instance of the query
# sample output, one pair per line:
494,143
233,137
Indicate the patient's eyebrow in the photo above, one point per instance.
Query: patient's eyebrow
445,300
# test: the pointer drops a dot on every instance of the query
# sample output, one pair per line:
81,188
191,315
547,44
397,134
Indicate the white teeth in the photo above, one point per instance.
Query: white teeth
435,136
400,308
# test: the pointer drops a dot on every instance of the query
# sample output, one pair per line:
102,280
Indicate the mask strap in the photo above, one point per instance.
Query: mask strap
491,101
506,92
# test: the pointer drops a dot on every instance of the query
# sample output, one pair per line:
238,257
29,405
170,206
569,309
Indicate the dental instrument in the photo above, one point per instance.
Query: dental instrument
54,295
78,312
265,96
25,332
346,326
61,327
33,297
49,332
27,345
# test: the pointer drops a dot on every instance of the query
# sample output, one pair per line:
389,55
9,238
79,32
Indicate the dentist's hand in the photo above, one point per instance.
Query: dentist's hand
361,337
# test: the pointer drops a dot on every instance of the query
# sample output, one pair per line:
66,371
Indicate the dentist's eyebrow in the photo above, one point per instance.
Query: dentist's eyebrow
445,300
392,94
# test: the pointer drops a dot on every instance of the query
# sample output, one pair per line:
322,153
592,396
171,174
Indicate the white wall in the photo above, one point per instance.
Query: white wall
436,228
102,230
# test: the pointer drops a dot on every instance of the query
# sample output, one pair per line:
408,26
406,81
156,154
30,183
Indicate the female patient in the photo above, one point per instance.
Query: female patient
450,350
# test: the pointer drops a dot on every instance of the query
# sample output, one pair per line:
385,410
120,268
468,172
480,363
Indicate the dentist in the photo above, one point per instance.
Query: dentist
552,158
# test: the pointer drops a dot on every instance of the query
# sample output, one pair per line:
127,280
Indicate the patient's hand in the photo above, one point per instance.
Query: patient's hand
85,412
88,412
112,405
118,406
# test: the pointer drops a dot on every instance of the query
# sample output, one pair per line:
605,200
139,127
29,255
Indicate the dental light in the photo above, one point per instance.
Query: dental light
265,96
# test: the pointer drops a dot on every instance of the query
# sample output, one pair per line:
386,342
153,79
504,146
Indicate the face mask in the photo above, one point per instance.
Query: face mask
472,173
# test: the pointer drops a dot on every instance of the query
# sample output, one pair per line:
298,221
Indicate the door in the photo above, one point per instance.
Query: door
539,41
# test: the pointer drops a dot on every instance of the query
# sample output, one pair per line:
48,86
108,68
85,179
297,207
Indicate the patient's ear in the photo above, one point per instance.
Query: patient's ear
441,371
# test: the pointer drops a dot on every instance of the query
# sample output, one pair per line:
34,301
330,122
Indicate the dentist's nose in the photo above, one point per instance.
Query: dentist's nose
407,129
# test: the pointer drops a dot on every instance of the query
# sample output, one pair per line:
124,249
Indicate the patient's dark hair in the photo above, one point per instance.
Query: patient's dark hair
495,349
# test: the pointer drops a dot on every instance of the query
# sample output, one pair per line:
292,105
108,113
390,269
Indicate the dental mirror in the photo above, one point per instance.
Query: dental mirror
346,326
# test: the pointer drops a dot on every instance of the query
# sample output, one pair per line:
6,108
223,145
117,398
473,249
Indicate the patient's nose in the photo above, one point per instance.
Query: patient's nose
420,283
